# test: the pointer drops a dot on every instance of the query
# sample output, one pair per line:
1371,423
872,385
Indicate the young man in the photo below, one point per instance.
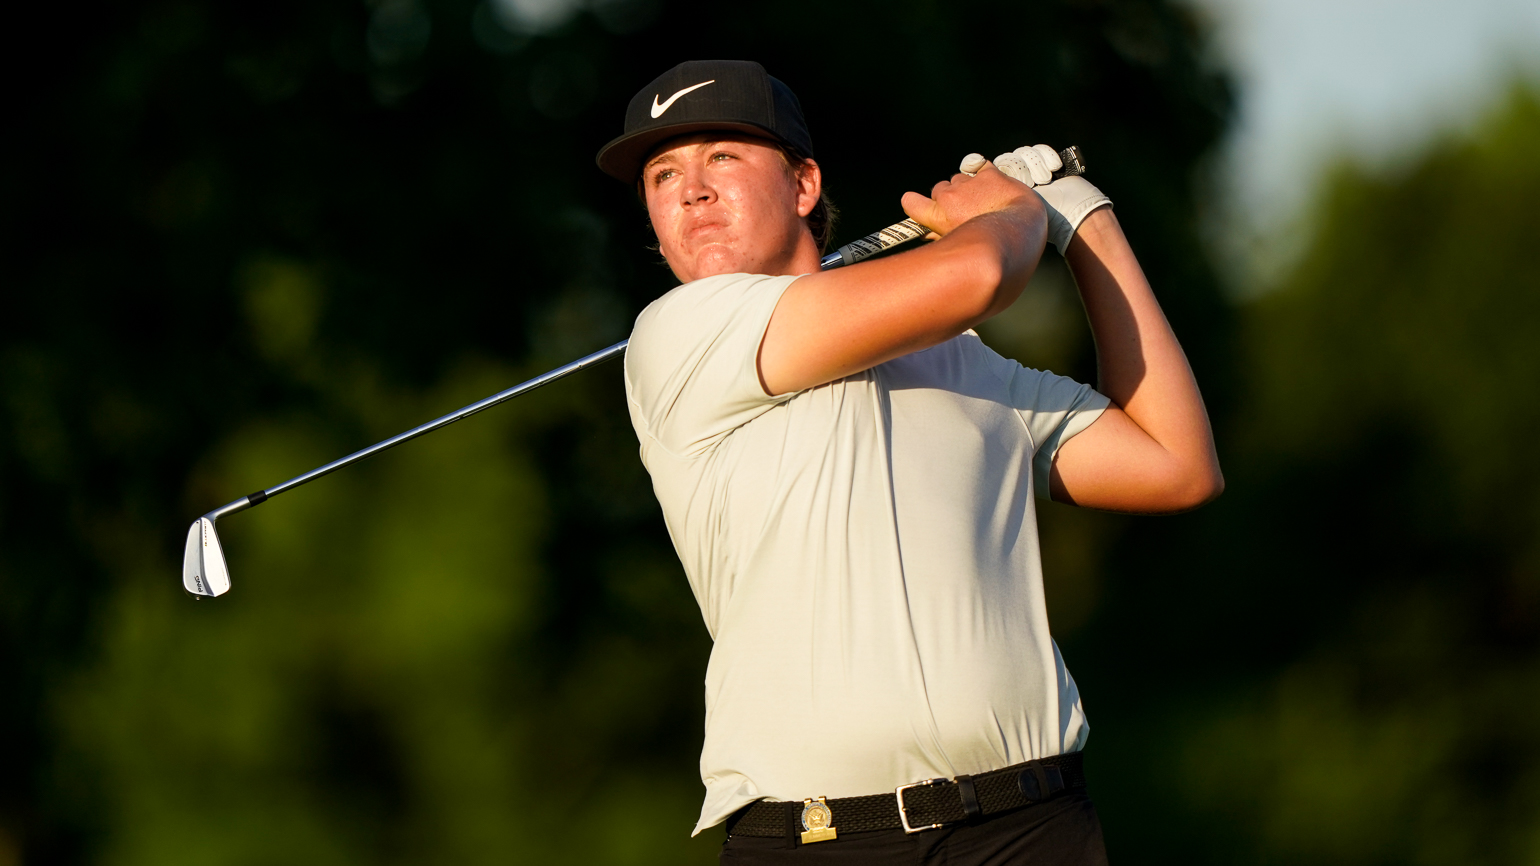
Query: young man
848,476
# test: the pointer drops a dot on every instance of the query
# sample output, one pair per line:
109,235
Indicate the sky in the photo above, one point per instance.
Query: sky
1378,78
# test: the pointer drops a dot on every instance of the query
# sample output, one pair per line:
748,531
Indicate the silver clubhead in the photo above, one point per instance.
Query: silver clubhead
203,565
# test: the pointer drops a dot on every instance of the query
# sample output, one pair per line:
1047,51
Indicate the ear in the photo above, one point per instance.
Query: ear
809,179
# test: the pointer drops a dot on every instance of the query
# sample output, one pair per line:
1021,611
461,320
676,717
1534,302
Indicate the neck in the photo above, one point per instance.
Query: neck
804,259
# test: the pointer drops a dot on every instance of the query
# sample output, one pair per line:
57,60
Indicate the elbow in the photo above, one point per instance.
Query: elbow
1199,486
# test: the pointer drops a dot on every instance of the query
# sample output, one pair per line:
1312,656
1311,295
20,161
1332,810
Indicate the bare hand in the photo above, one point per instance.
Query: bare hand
954,202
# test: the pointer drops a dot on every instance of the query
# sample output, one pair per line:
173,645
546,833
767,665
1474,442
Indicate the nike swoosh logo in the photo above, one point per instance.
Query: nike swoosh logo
657,110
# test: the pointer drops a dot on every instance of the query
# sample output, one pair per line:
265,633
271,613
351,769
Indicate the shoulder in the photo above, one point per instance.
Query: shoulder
699,342
691,369
705,301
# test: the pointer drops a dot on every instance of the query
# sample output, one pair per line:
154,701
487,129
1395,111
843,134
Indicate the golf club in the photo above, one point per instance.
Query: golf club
204,573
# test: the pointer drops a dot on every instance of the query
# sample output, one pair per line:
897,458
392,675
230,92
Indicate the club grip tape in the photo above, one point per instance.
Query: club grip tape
888,238
1074,163
908,230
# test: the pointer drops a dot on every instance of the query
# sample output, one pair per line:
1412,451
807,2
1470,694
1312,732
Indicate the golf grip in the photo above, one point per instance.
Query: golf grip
908,230
849,254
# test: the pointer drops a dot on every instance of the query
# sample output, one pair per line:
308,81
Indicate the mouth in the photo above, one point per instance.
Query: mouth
704,231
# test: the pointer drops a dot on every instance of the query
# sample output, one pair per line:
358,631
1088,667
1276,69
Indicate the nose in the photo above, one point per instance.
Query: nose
697,188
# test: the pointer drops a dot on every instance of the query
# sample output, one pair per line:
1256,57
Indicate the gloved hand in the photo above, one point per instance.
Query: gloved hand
1070,199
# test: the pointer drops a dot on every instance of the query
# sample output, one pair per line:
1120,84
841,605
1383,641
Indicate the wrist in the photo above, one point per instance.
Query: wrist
1016,232
1095,232
1098,224
1070,201
1015,238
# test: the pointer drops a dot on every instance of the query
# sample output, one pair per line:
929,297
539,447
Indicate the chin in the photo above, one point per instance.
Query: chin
714,262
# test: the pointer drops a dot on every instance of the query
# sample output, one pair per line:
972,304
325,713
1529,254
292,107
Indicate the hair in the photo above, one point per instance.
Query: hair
820,221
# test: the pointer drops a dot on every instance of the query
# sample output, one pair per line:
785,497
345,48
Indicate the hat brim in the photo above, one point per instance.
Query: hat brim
622,158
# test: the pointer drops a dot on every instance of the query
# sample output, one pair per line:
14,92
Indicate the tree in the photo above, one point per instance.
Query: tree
1351,637
243,241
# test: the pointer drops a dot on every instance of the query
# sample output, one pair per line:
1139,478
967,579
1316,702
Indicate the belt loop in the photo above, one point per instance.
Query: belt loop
1055,779
970,797
792,817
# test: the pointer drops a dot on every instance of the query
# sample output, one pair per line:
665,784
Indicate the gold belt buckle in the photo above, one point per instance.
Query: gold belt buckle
816,821
903,811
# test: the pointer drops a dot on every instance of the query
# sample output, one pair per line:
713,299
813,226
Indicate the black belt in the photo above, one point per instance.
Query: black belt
914,807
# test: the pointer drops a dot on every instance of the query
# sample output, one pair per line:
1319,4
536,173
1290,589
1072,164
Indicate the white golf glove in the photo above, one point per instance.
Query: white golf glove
1070,199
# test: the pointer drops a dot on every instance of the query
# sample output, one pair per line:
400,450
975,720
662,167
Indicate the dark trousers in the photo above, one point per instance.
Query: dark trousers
1061,832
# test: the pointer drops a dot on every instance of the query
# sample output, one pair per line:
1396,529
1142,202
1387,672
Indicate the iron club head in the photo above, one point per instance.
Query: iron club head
203,564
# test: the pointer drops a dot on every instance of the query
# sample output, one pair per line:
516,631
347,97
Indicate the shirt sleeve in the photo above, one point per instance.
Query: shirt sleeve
692,373
1055,408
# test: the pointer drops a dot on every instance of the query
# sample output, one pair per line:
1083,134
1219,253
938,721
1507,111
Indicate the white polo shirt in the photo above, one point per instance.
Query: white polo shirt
864,553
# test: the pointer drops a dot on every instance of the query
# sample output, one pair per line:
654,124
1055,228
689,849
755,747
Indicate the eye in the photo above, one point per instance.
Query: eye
664,174
721,156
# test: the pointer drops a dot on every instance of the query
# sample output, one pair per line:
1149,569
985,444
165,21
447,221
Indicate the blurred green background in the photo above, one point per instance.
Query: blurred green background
241,241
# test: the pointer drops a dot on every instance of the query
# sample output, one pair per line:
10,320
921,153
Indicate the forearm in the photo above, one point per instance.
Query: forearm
1140,364
992,257
836,323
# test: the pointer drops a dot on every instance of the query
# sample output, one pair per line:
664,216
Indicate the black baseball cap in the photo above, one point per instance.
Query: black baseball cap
700,95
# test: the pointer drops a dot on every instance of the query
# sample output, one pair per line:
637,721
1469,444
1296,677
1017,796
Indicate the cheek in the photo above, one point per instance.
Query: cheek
664,219
779,202
737,198
758,206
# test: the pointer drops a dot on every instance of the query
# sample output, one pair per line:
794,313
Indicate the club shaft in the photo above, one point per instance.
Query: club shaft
849,254
889,237
261,496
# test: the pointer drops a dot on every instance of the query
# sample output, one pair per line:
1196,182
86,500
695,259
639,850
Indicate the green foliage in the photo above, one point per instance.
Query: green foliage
243,241
247,241
368,697
1377,553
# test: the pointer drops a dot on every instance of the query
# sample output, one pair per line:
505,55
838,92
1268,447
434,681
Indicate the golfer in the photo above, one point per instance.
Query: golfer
848,476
